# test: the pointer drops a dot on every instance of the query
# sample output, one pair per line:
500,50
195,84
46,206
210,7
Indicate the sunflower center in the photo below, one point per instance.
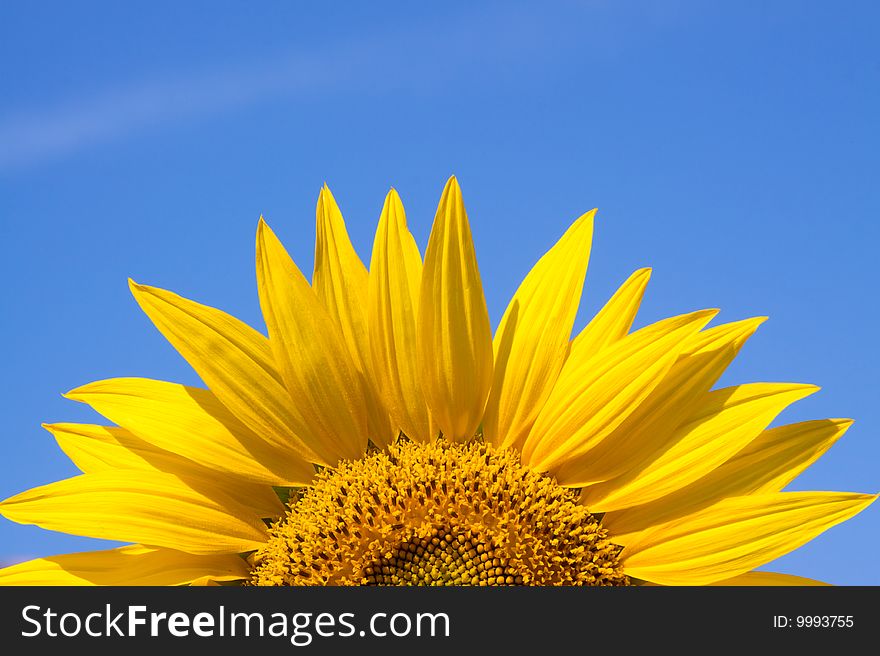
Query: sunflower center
443,559
437,514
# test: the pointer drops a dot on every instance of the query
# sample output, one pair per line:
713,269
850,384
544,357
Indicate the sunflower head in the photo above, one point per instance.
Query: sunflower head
418,448
438,514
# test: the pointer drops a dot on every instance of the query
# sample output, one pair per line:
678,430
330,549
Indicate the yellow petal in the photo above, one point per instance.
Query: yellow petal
735,334
767,464
531,342
393,301
780,454
328,402
96,449
647,432
137,506
614,320
341,282
769,579
233,359
736,535
454,336
594,395
726,421
132,565
192,422
340,278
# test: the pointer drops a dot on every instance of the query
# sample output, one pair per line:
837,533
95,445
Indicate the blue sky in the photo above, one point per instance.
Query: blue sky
734,147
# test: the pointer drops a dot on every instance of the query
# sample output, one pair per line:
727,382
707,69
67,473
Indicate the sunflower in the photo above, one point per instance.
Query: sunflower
381,436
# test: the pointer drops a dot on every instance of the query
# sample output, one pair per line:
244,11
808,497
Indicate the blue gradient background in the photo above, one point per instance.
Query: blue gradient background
731,146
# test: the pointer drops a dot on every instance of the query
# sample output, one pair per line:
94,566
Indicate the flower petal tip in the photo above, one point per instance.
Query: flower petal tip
586,219
325,196
452,187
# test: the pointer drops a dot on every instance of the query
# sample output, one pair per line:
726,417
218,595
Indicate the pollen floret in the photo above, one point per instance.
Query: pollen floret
437,514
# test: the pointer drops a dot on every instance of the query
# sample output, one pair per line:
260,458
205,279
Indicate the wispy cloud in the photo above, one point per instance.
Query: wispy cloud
42,134
14,559
37,135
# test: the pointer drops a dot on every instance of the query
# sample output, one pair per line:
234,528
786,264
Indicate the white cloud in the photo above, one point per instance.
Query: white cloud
425,54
